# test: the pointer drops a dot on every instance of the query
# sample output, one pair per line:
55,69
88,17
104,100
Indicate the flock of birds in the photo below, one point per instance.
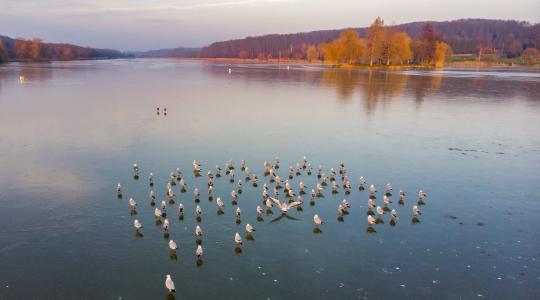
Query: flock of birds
270,199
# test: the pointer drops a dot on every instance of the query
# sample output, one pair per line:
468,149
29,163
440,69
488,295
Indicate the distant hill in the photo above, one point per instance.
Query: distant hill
464,36
36,50
172,52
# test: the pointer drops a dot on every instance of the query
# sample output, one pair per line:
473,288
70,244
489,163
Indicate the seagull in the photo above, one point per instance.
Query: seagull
163,205
169,284
238,212
172,245
238,239
268,203
421,194
157,212
259,211
151,178
152,196
132,203
220,203
372,189
181,208
386,200
196,193
249,228
182,183
119,189
342,210
165,224
362,180
136,169
345,203
301,186
234,195
284,207
199,251
371,203
137,224
317,220
416,211
393,214
388,187
290,194
198,211
379,211
198,231
371,220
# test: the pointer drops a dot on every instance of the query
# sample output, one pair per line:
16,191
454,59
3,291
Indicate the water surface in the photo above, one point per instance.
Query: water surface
72,130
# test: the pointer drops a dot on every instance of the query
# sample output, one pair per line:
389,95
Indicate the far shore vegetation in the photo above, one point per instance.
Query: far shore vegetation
384,46
379,46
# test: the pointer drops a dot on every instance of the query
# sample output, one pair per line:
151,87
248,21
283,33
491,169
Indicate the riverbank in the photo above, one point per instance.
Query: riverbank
467,63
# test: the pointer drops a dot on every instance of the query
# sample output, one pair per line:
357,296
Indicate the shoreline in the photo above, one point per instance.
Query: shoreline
465,64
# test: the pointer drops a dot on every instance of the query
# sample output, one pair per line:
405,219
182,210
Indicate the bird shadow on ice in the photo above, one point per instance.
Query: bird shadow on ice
250,237
170,297
238,250
284,216
317,230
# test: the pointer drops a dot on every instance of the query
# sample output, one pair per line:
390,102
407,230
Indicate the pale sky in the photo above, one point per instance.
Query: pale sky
146,24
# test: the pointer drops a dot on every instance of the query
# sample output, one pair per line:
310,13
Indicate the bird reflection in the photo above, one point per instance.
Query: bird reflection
170,297
284,216
199,262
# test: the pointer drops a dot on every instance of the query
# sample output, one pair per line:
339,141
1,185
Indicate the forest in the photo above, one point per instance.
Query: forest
37,50
489,40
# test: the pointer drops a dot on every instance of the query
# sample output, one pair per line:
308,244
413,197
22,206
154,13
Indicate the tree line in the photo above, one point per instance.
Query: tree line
37,50
383,45
507,38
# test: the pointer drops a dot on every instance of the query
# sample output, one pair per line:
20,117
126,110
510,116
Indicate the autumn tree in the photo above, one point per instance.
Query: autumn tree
353,49
35,49
397,47
3,53
22,49
430,43
531,56
312,53
331,51
375,37
441,51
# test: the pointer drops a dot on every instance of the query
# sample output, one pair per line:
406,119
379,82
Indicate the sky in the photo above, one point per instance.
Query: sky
146,24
